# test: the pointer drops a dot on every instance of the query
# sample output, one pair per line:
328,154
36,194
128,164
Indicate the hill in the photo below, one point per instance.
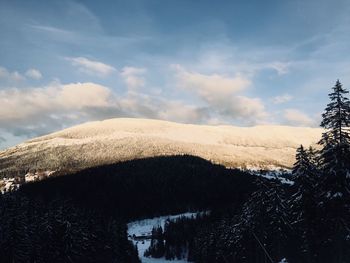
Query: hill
115,140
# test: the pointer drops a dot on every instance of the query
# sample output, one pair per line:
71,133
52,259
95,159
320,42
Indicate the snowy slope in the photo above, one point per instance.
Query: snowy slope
113,140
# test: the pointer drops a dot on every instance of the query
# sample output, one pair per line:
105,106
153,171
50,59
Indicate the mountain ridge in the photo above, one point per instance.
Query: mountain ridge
114,140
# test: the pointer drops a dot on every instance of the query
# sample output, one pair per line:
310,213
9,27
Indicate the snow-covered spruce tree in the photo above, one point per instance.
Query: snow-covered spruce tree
335,140
303,164
335,185
264,230
313,156
303,204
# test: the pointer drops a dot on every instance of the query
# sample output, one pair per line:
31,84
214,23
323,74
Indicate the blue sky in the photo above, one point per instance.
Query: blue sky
207,62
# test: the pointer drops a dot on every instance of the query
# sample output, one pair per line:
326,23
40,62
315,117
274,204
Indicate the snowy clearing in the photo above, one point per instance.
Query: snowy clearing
143,228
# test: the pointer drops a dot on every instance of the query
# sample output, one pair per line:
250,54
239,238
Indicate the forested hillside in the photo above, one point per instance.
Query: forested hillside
84,215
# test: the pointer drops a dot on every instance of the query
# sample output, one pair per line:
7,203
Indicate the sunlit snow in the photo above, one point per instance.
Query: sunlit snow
114,140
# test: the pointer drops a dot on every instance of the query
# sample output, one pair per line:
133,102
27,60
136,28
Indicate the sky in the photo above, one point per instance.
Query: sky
245,63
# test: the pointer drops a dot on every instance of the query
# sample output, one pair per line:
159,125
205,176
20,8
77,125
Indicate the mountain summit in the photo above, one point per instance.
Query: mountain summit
115,140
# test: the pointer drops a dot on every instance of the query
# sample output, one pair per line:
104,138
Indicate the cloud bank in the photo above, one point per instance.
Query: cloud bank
34,111
205,99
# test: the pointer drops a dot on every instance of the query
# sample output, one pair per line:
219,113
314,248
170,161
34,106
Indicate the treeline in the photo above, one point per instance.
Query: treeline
308,222
82,217
58,231
149,187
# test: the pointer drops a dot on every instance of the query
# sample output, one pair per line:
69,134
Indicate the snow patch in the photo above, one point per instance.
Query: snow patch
279,174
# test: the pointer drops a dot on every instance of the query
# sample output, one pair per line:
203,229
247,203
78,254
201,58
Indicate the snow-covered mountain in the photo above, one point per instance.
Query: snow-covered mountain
114,140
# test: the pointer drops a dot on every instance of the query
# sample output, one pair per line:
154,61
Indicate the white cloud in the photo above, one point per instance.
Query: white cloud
221,94
91,67
297,118
180,112
211,86
20,104
15,76
52,30
10,76
280,67
147,106
33,73
282,99
133,77
249,110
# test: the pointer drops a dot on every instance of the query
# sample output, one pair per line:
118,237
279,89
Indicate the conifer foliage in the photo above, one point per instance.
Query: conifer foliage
303,203
57,232
335,142
335,183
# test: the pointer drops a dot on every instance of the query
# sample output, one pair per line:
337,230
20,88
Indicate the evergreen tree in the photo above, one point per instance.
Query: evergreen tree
59,232
303,165
313,156
304,204
335,154
264,225
335,186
